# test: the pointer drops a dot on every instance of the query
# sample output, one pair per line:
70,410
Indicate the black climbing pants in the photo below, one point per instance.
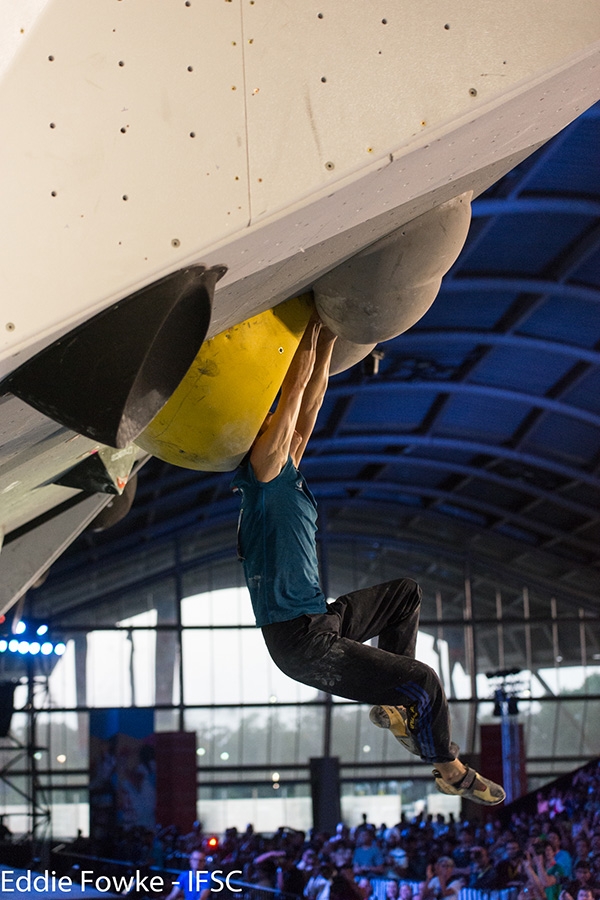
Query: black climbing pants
326,651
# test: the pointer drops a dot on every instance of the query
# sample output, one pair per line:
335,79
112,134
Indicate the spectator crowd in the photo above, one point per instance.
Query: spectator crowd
552,853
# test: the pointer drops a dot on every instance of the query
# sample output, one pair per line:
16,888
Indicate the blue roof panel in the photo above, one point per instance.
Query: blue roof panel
481,418
570,321
526,243
474,310
521,369
576,169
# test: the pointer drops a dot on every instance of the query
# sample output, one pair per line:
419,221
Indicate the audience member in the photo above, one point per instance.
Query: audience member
583,881
510,871
319,884
462,853
443,882
368,858
483,875
563,857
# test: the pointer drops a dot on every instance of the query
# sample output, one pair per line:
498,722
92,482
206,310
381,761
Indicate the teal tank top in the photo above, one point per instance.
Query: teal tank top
277,544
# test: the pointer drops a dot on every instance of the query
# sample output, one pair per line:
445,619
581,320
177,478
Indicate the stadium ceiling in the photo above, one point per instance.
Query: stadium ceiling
476,434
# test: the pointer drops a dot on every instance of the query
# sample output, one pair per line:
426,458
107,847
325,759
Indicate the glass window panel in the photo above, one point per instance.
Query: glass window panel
143,649
254,732
228,606
218,735
70,817
107,669
381,802
18,722
166,720
60,688
309,731
591,729
196,610
198,667
282,747
569,728
234,666
541,729
263,682
347,726
426,651
227,736
569,645
514,645
282,689
64,737
571,679
591,641
460,715
166,670
461,682
15,809
164,601
201,721
228,663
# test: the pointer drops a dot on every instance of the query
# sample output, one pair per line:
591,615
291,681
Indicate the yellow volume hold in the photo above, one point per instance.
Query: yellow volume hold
212,418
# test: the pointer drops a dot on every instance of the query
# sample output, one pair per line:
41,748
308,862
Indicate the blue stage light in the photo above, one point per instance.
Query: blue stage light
34,648
3,646
60,648
20,628
23,646
13,645
42,629
47,648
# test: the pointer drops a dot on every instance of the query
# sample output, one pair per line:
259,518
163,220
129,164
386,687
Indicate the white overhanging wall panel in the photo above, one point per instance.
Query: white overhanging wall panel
125,151
143,135
334,86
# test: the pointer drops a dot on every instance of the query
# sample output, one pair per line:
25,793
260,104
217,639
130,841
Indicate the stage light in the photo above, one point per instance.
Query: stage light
13,645
41,630
60,648
47,648
34,648
23,646
3,646
20,628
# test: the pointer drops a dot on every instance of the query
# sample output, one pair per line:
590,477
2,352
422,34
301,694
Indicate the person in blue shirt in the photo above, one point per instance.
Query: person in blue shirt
195,883
322,644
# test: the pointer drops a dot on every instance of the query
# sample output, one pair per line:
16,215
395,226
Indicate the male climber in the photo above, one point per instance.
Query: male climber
321,644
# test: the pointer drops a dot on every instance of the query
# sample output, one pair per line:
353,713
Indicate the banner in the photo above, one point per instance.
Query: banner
122,774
